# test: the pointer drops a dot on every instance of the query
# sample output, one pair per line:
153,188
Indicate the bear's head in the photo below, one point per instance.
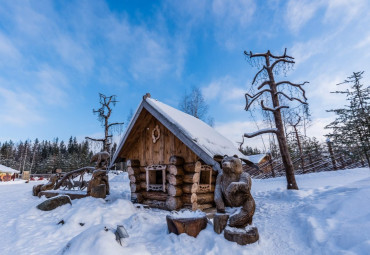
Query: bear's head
231,165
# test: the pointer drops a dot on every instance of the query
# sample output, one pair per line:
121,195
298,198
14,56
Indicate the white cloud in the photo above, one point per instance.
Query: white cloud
18,108
345,10
234,12
299,12
52,86
235,129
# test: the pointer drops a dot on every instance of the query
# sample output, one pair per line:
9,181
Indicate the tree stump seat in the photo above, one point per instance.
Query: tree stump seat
188,225
241,236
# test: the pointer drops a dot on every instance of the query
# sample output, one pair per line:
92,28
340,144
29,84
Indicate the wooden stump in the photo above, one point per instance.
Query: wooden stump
241,236
99,191
220,222
190,226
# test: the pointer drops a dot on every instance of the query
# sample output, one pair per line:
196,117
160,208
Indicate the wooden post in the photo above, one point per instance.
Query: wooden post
331,154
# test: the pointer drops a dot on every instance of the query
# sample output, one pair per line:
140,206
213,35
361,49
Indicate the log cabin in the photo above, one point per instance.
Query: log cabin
172,158
7,173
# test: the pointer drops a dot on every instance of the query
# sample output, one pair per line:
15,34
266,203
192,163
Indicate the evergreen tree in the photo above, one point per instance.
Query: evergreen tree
351,129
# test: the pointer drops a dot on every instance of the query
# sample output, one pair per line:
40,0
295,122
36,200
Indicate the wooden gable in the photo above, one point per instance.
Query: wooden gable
139,144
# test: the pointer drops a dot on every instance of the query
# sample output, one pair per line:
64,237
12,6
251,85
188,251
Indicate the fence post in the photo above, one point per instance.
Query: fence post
331,154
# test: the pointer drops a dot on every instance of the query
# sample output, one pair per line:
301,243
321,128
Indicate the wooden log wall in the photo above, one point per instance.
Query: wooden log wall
182,186
133,170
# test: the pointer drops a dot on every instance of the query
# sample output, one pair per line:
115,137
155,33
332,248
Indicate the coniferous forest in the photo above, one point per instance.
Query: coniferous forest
45,156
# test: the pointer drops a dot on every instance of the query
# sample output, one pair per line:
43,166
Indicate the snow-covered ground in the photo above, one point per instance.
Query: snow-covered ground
330,214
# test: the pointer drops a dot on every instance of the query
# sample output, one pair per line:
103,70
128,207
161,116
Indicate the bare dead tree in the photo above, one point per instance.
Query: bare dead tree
265,77
294,124
104,113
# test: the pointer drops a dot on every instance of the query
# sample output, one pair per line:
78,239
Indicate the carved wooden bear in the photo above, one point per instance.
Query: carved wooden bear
101,159
232,189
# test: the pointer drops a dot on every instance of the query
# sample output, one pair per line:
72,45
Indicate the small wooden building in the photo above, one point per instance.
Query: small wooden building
7,173
262,161
172,158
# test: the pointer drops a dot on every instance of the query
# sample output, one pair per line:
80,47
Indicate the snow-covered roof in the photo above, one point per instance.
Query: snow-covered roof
5,169
256,159
204,140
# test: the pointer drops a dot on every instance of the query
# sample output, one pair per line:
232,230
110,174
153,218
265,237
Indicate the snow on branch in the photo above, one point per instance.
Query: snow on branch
297,85
291,98
254,97
281,60
272,109
261,132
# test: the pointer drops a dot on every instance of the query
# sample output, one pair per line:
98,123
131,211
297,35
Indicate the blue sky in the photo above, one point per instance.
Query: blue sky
56,56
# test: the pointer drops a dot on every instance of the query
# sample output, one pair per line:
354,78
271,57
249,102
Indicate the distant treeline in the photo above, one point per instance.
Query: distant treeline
45,156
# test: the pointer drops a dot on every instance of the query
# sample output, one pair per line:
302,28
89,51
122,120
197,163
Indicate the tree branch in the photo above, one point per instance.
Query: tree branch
254,97
258,73
283,56
116,123
281,60
264,83
272,109
94,139
261,132
298,85
290,98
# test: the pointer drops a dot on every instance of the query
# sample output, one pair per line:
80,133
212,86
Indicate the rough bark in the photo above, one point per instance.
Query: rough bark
191,178
174,191
174,180
133,163
177,161
220,222
175,170
193,167
155,195
174,203
190,188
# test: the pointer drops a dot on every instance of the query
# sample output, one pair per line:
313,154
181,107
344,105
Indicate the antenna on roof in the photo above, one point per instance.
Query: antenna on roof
147,95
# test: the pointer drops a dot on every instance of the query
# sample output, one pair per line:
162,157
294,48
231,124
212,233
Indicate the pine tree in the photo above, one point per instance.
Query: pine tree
352,124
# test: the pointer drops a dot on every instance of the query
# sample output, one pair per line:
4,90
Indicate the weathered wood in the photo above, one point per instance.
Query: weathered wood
135,187
241,237
136,197
189,198
142,185
191,178
190,188
155,204
220,222
175,170
72,194
205,198
174,191
133,170
193,167
201,191
177,161
142,177
174,203
201,207
154,195
133,163
142,169
174,180
132,179
190,226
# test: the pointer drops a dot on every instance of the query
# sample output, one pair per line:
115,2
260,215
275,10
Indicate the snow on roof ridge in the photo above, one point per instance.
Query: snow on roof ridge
205,136
6,169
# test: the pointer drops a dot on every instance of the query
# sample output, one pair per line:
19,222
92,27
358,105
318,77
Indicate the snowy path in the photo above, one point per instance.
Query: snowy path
330,214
